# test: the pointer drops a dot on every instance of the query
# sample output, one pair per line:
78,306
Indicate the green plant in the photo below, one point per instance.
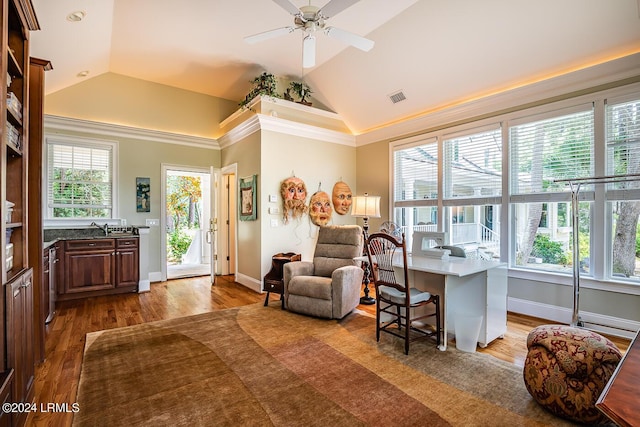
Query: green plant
178,242
551,252
301,90
264,84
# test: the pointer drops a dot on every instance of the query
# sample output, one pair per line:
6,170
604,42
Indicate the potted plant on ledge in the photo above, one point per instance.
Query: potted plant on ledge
301,90
264,84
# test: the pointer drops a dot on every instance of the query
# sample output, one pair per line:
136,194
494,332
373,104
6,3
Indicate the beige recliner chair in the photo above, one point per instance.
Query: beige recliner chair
329,286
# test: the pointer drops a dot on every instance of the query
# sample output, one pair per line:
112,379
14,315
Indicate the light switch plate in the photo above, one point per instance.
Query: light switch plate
273,198
152,222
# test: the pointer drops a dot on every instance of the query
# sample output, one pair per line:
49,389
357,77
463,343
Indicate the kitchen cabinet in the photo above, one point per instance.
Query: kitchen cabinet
17,315
127,264
100,266
89,265
35,241
20,340
6,382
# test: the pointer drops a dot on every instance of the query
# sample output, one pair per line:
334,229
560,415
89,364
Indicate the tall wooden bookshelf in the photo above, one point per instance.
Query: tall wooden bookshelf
17,332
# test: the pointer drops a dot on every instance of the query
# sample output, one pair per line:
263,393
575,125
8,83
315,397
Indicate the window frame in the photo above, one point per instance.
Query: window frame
598,197
76,141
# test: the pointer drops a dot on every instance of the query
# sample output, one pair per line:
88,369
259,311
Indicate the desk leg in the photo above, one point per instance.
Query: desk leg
443,314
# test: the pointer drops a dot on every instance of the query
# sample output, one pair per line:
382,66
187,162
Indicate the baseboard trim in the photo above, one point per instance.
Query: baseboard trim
249,282
596,322
144,286
155,276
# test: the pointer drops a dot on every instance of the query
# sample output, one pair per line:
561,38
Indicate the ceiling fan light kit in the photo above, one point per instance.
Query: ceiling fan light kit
309,51
310,19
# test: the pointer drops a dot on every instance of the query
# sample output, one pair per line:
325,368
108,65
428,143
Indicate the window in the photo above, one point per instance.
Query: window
476,228
80,179
416,187
548,149
455,179
473,164
623,158
544,149
472,187
416,172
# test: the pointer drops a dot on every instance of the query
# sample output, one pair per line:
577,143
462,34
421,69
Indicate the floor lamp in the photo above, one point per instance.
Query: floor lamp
366,207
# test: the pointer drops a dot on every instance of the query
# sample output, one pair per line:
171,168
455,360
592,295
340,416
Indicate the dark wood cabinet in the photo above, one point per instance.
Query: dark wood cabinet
18,339
103,266
6,383
20,343
89,265
127,263
35,240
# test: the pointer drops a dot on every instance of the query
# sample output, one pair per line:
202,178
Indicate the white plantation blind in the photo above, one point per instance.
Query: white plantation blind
473,165
80,180
559,147
622,124
416,172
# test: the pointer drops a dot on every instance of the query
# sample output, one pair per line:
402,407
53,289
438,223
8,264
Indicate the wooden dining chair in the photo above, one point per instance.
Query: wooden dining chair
391,294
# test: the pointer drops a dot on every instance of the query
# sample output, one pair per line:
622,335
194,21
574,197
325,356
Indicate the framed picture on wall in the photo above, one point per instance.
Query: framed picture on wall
143,194
248,198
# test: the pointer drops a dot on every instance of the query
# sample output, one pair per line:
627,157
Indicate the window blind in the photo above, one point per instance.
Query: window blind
79,180
622,124
542,151
416,172
473,165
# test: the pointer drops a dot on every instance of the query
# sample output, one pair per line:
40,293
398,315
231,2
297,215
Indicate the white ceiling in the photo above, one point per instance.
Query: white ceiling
438,52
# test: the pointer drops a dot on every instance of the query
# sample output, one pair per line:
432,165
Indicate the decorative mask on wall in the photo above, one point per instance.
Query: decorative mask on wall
341,198
294,198
320,208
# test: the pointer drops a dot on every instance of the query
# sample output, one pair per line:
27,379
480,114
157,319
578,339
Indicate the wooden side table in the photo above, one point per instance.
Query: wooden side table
619,399
274,281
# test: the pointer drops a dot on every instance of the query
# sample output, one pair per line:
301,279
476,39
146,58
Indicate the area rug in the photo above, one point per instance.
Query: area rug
263,366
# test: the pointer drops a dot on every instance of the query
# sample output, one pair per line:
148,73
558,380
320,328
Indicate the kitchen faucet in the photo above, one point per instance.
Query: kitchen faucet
104,228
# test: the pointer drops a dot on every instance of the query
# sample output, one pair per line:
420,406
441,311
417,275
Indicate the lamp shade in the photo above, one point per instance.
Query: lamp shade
366,206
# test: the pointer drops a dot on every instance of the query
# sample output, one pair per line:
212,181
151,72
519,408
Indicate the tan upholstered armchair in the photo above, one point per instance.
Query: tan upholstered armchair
329,286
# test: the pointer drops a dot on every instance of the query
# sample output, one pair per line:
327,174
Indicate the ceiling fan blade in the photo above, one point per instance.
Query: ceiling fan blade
309,51
335,6
350,38
288,6
268,34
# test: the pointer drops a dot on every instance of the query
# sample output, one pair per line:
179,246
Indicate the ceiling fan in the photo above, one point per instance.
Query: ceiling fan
310,19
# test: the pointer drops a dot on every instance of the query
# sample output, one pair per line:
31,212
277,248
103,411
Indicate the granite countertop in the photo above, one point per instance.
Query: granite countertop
52,235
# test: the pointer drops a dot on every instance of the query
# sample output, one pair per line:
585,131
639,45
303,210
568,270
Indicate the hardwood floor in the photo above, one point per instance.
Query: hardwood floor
57,377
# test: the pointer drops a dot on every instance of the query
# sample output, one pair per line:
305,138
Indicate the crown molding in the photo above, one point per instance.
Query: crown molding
621,70
243,130
78,125
262,122
289,127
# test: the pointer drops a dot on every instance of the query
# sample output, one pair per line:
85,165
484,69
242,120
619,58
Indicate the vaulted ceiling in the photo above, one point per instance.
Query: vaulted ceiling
437,52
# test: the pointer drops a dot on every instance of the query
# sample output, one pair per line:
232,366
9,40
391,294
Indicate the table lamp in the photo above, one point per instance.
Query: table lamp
366,207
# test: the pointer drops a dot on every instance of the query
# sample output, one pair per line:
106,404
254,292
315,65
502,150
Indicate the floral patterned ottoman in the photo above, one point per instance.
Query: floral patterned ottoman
567,368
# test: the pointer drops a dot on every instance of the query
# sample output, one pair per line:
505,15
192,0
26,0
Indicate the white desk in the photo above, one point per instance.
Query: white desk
471,287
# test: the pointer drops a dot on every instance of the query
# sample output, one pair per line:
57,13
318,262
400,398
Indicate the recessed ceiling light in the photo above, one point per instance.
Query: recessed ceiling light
76,16
84,73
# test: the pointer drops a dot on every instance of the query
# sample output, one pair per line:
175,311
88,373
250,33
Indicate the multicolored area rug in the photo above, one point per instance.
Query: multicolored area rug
262,366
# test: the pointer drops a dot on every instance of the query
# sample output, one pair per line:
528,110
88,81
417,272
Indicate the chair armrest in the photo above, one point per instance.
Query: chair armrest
347,277
346,283
296,268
